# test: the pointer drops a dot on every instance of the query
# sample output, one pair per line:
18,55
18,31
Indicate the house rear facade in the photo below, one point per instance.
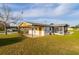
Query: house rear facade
36,29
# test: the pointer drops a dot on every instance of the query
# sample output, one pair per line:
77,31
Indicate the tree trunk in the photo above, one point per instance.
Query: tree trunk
18,29
5,29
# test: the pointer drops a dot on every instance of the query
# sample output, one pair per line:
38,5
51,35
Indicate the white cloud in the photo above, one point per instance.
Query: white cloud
48,10
44,5
75,14
38,10
43,10
62,9
35,13
52,12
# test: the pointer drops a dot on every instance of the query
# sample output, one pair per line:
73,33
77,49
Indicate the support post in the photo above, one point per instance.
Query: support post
50,31
32,31
63,30
53,30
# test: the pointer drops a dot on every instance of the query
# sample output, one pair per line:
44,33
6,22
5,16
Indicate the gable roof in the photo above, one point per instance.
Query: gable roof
31,24
24,24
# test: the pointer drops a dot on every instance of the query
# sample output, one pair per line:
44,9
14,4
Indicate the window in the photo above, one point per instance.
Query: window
56,29
35,28
60,28
40,28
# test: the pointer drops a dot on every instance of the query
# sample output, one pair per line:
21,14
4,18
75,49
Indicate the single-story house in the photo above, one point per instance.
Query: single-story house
36,29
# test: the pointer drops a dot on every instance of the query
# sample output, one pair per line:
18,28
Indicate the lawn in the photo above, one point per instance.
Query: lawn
9,39
52,44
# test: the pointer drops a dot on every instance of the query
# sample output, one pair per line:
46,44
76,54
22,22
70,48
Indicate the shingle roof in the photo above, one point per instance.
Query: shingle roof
59,25
38,24
48,25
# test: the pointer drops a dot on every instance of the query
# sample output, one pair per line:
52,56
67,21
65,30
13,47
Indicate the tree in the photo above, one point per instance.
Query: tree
77,26
6,15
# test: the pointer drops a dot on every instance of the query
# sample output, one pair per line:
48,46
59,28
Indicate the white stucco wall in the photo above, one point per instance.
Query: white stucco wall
42,33
36,32
30,31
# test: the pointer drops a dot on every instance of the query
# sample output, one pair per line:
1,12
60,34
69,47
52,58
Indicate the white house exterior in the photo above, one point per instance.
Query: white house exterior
35,29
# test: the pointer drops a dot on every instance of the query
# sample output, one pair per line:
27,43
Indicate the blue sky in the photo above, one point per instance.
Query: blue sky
47,12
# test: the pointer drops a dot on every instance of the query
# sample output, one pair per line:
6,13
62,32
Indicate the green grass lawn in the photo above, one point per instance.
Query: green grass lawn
9,39
52,44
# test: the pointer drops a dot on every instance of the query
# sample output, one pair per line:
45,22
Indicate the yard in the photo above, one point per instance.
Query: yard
13,44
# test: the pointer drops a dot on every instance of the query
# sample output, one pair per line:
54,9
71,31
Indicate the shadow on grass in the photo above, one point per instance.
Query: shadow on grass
9,41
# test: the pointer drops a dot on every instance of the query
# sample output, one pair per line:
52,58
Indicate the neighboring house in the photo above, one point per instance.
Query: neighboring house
36,29
13,27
